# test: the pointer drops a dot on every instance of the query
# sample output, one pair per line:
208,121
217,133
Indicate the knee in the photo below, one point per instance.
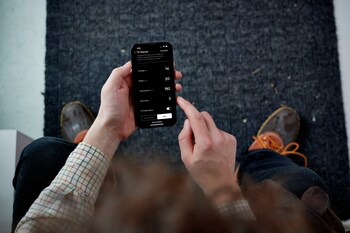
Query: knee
46,147
41,160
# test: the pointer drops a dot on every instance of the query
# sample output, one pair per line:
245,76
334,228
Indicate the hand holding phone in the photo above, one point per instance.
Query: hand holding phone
153,84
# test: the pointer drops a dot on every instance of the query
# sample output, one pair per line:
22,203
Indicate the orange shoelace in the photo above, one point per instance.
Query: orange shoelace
291,149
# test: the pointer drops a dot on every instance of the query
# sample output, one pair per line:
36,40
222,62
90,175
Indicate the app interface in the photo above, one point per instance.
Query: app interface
153,74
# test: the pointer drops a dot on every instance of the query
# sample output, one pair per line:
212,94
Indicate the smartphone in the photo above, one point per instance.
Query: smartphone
153,84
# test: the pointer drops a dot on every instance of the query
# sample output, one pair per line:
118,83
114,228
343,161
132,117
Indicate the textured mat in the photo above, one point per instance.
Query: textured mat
240,59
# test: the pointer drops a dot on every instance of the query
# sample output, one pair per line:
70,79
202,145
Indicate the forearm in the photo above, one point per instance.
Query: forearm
225,194
104,137
67,204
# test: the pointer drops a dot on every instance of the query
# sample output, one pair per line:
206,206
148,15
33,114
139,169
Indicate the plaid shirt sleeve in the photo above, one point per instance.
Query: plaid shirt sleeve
67,204
238,208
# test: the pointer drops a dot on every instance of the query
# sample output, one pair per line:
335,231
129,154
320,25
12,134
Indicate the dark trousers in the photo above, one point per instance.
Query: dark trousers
259,165
41,161
38,165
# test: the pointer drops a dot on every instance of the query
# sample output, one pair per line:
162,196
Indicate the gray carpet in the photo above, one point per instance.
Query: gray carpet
240,59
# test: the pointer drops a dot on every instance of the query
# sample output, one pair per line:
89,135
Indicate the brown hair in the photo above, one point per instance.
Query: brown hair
151,198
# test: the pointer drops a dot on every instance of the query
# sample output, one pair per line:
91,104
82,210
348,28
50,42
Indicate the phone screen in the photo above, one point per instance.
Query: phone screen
153,84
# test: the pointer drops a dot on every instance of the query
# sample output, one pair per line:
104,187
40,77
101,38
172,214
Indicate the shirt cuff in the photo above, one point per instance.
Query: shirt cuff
238,208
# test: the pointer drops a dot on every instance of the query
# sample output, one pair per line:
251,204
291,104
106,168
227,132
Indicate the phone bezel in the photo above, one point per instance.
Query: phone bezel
136,98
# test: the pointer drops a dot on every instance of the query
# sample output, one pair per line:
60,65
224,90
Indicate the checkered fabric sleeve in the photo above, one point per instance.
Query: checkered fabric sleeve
67,204
239,208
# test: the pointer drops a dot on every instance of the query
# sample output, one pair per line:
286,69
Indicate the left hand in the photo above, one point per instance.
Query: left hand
115,121
117,110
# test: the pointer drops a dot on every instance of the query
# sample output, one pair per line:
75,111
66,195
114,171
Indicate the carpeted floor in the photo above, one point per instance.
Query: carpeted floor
240,59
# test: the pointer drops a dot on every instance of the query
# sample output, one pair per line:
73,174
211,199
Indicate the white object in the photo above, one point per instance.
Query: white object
12,143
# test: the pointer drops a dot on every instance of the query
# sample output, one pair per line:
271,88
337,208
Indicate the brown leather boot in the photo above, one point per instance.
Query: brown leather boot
75,121
285,121
278,133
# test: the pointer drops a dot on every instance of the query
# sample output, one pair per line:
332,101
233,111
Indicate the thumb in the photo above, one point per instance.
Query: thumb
118,74
186,141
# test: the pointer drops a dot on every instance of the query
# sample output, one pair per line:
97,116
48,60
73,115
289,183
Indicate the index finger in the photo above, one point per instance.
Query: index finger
213,129
196,119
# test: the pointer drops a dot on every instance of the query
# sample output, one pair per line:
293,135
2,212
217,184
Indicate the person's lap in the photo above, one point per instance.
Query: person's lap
38,165
258,165
41,161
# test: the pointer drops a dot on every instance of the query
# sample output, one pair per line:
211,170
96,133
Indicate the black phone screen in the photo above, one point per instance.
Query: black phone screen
153,84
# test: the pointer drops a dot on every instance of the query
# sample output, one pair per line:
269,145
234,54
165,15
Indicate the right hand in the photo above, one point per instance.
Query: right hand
209,154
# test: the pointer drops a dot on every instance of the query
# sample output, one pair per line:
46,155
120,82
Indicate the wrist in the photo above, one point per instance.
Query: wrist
103,136
225,194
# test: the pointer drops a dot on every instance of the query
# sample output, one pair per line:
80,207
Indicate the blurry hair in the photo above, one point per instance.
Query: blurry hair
151,198
279,210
